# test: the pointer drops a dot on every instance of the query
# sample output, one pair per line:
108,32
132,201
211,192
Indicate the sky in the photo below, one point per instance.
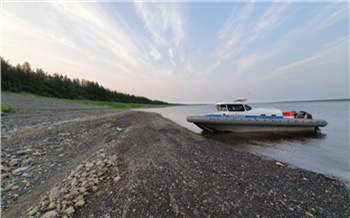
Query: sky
187,52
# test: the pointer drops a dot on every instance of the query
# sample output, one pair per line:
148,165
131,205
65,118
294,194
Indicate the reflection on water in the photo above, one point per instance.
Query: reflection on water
327,153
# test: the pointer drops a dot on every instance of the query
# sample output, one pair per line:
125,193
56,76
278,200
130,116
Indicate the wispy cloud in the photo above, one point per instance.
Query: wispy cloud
242,29
164,21
324,18
155,54
330,50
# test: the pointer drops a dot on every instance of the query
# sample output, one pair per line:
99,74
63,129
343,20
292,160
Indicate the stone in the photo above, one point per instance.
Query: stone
50,214
27,161
69,210
74,182
75,192
52,205
94,188
82,189
84,183
116,179
79,203
14,162
15,187
309,214
89,165
20,170
33,211
54,194
4,175
27,151
100,163
113,158
279,164
8,187
81,166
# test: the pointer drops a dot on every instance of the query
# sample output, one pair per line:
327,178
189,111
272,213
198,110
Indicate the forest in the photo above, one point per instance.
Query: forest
22,78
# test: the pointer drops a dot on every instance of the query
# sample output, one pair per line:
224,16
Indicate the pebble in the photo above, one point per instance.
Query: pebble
19,171
116,179
279,164
52,205
89,165
309,214
50,214
79,203
33,211
27,151
54,194
74,182
69,210
14,162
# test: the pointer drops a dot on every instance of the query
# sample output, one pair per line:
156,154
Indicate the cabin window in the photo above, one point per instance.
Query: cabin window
247,107
235,107
221,107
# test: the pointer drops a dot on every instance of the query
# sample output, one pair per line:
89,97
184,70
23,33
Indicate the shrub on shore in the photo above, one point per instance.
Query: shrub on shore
6,108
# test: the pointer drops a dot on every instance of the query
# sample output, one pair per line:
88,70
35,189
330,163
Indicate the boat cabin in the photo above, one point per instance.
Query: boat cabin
232,107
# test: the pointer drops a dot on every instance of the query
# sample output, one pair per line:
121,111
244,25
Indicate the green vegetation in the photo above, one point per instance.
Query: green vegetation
7,108
112,104
113,120
22,78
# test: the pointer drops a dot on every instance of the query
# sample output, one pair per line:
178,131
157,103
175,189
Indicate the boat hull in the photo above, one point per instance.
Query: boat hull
227,124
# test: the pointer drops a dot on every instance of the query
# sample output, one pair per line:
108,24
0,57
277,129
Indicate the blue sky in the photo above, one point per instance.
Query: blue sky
187,51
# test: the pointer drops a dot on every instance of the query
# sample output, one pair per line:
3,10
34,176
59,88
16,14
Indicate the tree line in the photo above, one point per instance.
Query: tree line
21,78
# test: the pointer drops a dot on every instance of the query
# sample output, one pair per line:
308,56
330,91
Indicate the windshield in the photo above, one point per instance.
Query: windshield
247,107
221,107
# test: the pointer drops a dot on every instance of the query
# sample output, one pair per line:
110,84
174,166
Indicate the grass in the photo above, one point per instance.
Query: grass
6,108
112,104
113,120
95,103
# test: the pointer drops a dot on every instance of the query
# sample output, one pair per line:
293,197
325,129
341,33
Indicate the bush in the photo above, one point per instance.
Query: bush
7,108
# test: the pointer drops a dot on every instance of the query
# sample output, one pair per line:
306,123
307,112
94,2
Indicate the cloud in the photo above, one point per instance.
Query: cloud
330,51
164,21
272,18
247,62
242,29
325,17
155,54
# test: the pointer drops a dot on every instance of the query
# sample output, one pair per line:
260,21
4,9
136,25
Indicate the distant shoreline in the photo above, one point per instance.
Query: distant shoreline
267,102
306,101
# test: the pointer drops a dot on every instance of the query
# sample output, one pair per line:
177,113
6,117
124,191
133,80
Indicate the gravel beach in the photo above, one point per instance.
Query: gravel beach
61,159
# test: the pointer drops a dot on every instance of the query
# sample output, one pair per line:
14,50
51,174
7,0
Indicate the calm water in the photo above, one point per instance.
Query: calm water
327,153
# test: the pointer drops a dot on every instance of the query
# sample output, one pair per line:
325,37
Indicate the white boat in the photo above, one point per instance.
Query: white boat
237,116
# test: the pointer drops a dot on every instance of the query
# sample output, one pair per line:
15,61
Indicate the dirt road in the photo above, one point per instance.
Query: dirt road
121,163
